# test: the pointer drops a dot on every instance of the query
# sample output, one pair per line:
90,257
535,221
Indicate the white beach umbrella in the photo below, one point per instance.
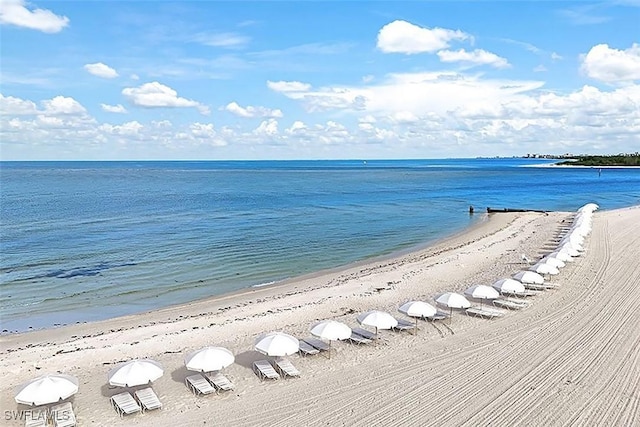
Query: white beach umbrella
508,286
135,372
569,250
209,359
553,261
377,319
529,277
562,256
417,309
482,292
277,344
589,207
544,268
331,330
453,300
47,389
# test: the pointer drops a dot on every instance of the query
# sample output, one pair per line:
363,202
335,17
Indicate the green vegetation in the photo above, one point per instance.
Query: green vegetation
617,160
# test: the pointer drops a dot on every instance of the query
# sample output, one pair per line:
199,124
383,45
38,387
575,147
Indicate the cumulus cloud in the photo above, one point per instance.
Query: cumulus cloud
16,12
612,65
283,86
475,57
10,105
404,37
63,105
113,108
101,70
267,128
250,111
154,95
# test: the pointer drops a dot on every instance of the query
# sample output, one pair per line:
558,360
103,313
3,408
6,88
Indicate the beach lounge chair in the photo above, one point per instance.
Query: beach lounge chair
199,385
510,304
440,315
148,399
305,349
317,344
486,313
125,404
358,339
405,325
286,368
36,418
537,287
264,370
220,382
364,333
62,415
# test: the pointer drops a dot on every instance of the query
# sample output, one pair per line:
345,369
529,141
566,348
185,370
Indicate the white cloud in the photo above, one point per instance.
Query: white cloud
404,37
101,70
612,65
154,95
15,12
267,128
250,111
62,105
10,105
113,108
283,86
475,57
134,77
539,68
225,40
132,128
555,56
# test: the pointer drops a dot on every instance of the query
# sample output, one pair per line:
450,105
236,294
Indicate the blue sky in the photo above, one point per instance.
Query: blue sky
111,80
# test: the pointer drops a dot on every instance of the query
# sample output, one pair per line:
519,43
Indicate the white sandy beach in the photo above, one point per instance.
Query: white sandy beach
571,358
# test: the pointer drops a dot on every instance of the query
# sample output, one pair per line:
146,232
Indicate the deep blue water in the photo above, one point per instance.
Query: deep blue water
92,240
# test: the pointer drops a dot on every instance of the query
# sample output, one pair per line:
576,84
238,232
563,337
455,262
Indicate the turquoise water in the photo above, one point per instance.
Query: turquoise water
92,240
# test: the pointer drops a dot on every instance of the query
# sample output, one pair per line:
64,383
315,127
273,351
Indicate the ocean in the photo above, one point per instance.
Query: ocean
84,241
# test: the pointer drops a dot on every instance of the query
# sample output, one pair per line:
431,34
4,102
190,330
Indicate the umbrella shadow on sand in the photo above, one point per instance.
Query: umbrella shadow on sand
180,374
246,358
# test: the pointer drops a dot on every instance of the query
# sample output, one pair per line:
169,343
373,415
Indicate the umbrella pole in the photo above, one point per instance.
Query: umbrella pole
416,326
450,315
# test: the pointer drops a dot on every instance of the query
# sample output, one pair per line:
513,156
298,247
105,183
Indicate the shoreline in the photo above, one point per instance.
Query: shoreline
273,286
484,363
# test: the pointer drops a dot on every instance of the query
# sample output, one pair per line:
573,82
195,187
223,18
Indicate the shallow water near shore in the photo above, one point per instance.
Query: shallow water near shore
86,241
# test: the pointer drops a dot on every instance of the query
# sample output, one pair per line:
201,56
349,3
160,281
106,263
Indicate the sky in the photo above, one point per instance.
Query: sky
214,80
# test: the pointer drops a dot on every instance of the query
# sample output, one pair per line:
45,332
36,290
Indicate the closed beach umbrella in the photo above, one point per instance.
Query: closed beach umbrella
135,372
277,344
331,330
529,277
377,319
418,309
544,268
482,292
569,250
453,300
209,359
508,286
47,389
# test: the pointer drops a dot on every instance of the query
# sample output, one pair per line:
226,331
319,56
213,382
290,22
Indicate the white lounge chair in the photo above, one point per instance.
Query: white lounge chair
405,325
286,368
36,418
483,312
440,315
62,415
220,382
358,339
199,385
510,304
317,344
125,404
305,349
264,370
148,399
364,333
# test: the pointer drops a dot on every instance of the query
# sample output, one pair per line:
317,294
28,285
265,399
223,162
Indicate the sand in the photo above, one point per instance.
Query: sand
571,358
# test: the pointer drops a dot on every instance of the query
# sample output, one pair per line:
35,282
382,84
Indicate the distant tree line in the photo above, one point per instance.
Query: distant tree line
615,160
